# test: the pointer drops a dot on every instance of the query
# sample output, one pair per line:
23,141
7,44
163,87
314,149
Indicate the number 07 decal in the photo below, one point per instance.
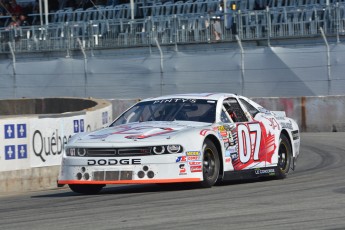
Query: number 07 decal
249,138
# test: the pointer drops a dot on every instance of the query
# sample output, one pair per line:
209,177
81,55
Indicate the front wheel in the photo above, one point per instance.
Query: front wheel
284,157
88,189
210,164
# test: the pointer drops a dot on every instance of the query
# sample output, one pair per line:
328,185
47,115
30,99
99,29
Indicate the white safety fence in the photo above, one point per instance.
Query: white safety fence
307,70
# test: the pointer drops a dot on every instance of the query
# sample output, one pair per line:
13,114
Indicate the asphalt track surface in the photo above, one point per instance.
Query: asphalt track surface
311,197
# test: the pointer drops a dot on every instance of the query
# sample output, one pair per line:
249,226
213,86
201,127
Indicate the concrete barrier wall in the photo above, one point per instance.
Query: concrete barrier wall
121,105
313,114
31,179
31,144
44,106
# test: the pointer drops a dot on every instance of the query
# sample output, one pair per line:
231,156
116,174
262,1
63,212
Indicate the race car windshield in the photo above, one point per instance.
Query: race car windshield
170,110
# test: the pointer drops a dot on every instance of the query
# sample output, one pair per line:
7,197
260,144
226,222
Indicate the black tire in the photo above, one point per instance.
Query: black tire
88,189
284,157
210,164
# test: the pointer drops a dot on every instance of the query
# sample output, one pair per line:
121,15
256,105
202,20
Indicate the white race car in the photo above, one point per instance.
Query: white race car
199,138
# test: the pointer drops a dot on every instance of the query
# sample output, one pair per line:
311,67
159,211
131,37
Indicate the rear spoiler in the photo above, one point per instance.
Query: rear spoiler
279,113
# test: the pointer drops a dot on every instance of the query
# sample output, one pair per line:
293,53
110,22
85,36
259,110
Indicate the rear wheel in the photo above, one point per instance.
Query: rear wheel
210,164
284,157
86,188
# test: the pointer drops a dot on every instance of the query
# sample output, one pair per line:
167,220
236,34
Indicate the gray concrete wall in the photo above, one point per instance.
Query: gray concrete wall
313,114
44,105
32,179
121,105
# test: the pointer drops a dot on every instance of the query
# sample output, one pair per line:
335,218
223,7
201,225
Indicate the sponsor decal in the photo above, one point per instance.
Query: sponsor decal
273,123
221,128
78,126
193,153
135,161
104,117
195,163
181,159
197,168
295,135
135,132
227,153
22,152
143,136
264,171
9,131
219,136
234,156
229,127
224,133
82,125
193,158
265,111
232,149
10,152
183,169
44,146
286,125
228,135
231,153
18,131
227,160
174,100
21,131
204,131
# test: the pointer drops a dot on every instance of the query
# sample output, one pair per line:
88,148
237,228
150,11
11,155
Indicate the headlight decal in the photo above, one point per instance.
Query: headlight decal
174,148
81,152
158,150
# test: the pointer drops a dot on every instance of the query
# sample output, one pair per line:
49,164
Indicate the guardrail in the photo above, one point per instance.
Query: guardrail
176,29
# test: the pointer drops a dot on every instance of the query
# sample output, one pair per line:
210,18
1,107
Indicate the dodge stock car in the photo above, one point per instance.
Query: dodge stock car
199,138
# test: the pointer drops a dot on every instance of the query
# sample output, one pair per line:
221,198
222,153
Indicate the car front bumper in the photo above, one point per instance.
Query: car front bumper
130,170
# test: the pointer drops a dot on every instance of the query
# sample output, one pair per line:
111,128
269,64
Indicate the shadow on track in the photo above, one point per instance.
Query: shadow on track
149,188
127,189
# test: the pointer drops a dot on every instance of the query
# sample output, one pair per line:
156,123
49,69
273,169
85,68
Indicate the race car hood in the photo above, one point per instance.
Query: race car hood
143,131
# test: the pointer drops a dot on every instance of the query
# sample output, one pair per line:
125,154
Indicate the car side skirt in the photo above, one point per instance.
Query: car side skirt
250,173
153,181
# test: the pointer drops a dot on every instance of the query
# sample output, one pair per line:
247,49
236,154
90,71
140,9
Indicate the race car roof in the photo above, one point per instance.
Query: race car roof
206,96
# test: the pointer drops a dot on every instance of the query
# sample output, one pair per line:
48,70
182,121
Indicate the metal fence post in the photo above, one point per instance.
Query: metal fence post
14,70
85,65
175,31
242,61
240,25
328,60
269,26
338,18
68,39
161,64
